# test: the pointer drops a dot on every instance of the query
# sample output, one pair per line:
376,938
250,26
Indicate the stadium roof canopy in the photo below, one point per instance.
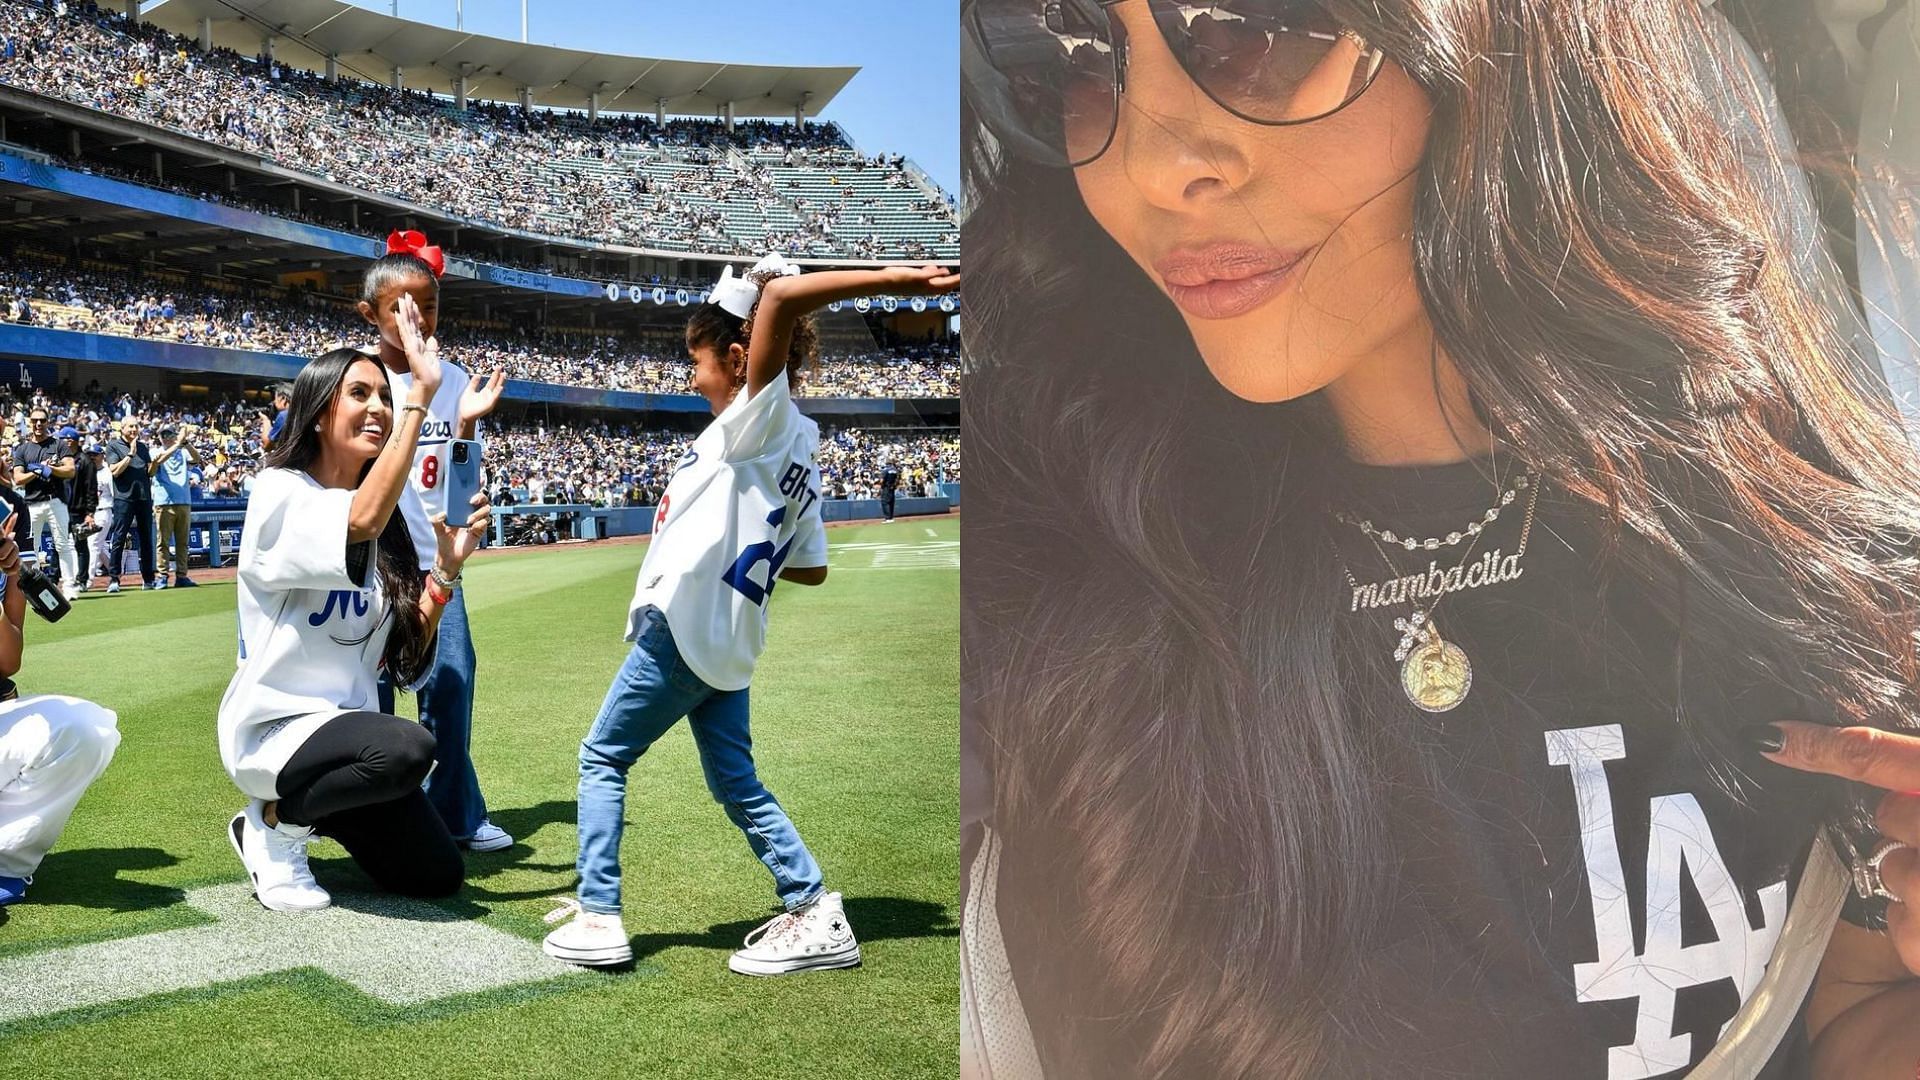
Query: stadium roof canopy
371,45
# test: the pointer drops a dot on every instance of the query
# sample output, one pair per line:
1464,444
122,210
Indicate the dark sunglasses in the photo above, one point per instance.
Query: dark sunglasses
1047,75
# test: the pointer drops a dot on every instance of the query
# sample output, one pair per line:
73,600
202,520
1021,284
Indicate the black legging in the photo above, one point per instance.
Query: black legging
357,780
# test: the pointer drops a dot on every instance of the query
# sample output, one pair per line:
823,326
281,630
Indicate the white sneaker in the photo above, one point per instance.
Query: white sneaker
816,936
276,860
591,939
488,837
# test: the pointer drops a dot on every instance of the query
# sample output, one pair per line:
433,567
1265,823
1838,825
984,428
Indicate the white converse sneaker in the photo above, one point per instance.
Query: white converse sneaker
816,936
276,860
488,837
591,939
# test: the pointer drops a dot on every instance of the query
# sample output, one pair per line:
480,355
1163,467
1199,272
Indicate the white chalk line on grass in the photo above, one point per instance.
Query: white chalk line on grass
403,952
916,555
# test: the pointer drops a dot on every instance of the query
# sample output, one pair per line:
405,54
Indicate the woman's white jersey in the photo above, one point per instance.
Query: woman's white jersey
310,636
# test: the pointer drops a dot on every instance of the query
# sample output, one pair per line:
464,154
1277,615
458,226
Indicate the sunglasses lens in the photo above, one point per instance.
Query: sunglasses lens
1045,81
1267,60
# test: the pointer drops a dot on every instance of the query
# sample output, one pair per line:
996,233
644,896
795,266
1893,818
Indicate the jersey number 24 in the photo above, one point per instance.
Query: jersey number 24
740,575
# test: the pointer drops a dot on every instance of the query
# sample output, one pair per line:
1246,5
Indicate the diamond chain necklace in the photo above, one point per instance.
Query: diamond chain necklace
1435,673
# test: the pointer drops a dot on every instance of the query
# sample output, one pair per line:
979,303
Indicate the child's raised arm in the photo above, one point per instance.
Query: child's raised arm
784,300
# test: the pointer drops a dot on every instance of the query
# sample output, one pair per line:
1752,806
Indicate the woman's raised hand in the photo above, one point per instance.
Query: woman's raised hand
423,351
457,544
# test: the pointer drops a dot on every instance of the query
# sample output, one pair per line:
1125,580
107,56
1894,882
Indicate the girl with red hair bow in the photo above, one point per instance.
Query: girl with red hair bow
411,270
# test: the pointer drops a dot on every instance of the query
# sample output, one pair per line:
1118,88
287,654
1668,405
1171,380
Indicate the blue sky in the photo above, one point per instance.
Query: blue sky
905,100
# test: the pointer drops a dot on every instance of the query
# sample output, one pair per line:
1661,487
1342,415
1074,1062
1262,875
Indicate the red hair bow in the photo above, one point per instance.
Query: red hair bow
407,241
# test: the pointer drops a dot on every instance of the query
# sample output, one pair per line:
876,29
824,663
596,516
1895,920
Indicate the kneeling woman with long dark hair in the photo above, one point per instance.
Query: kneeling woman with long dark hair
329,593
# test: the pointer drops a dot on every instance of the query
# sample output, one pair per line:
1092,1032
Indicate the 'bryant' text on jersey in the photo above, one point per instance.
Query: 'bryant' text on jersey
793,484
1679,842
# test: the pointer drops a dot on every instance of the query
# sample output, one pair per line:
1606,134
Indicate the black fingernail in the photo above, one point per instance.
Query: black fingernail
1766,738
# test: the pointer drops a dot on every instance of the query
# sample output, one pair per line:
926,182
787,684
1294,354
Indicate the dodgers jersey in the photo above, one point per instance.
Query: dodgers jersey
431,458
311,637
743,503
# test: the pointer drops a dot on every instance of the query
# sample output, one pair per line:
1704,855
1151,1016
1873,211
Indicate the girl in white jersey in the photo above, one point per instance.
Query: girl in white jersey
740,513
330,593
412,268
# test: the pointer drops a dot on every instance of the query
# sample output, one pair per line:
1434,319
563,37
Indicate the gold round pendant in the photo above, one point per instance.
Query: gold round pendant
1436,675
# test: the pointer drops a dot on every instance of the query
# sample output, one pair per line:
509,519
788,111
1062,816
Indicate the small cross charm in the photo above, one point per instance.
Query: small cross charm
1412,629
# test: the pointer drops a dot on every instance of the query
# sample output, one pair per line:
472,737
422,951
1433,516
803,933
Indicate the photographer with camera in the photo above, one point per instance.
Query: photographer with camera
173,501
51,747
82,494
42,467
96,528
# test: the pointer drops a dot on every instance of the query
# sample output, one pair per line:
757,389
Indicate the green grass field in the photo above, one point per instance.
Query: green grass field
856,720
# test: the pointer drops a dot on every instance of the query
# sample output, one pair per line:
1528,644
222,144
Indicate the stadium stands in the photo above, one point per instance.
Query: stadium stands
527,460
108,301
685,187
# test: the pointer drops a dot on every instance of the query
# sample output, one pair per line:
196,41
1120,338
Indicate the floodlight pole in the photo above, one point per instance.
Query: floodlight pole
459,20
523,21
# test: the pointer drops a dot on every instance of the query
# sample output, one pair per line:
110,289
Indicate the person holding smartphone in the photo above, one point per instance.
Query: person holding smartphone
410,273
330,595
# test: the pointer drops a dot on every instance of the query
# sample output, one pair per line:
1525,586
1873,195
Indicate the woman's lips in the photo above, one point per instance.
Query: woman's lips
1227,280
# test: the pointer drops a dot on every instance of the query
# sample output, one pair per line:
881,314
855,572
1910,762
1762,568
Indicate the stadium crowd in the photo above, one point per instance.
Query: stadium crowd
690,186
106,301
590,462
622,465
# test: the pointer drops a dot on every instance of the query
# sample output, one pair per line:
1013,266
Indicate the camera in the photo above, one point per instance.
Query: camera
459,453
43,596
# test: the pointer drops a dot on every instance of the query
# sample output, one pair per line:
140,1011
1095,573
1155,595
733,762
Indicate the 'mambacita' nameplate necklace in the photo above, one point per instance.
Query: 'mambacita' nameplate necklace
1434,672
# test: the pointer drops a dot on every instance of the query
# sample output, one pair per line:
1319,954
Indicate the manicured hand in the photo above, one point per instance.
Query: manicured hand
423,352
456,544
1881,759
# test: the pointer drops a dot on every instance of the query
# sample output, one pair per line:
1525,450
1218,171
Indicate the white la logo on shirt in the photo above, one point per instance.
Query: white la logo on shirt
1679,841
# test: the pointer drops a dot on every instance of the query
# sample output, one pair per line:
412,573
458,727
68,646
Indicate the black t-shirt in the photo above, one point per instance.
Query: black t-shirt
134,484
39,488
889,479
1575,896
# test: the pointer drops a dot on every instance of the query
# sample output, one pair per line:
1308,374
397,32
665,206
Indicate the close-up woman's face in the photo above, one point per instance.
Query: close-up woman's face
361,417
1286,249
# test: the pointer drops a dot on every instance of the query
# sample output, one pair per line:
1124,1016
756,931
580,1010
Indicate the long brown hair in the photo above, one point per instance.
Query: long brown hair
1147,653
409,647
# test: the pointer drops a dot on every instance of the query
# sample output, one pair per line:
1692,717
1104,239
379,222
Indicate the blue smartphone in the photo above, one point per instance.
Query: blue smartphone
453,496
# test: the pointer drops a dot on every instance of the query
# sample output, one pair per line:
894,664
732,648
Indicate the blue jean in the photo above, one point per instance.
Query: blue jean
446,710
131,521
652,691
